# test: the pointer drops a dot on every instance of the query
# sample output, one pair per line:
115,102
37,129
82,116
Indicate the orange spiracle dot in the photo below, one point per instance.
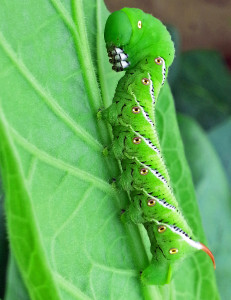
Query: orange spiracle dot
161,228
136,140
145,81
159,61
144,171
151,202
136,110
173,251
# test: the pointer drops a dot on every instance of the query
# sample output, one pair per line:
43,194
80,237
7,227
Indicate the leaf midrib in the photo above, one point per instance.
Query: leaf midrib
60,164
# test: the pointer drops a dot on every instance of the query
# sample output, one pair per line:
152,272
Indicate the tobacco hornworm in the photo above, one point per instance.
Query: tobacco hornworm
141,44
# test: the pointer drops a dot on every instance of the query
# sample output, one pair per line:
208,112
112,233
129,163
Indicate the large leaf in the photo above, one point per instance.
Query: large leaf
213,193
197,90
62,213
198,268
15,288
220,136
3,245
175,67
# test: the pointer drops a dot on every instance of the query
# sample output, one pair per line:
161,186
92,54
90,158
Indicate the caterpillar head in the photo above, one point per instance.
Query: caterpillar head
131,35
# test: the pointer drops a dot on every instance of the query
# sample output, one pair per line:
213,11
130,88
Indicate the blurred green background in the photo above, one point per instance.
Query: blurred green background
200,80
201,84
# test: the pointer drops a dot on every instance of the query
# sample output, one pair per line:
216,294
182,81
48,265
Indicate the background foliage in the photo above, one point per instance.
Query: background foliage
62,214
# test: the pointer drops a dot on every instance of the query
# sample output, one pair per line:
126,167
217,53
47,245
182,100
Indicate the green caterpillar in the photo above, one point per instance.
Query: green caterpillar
141,44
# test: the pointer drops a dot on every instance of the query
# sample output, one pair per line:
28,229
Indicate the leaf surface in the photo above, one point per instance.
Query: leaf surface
220,137
15,288
200,281
197,90
3,245
213,194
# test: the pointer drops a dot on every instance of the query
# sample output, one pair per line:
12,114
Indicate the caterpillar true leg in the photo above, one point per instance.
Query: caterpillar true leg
132,214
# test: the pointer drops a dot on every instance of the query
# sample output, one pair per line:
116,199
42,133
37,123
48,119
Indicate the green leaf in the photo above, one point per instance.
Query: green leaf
203,87
15,289
220,137
200,281
213,194
63,216
3,245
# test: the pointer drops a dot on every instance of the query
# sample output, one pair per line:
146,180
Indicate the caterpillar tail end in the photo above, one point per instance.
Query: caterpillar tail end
206,250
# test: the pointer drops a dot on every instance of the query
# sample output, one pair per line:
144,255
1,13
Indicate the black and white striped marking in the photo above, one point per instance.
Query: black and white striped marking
181,233
163,72
167,205
160,201
150,144
152,90
145,114
154,172
158,175
185,237
147,141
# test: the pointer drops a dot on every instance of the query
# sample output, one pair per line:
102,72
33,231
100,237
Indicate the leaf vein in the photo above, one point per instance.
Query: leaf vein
48,98
68,220
55,162
70,288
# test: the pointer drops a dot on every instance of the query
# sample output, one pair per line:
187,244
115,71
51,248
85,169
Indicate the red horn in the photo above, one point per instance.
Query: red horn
206,250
